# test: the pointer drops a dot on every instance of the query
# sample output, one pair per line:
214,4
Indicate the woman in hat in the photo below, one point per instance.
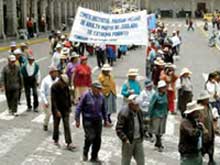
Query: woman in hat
185,89
72,64
169,76
158,110
157,69
108,89
82,78
207,119
191,128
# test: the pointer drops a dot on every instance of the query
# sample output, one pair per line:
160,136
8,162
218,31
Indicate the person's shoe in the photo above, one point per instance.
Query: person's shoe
95,160
45,127
15,114
70,147
36,110
85,158
160,149
56,143
28,109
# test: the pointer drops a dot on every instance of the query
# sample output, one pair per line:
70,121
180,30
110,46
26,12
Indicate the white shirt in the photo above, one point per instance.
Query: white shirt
212,89
56,59
144,99
30,71
45,88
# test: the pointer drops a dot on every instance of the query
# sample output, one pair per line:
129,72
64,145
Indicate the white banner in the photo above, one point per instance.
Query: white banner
101,28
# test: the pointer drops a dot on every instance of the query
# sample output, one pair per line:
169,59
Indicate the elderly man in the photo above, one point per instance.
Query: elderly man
31,76
130,130
93,109
11,80
45,91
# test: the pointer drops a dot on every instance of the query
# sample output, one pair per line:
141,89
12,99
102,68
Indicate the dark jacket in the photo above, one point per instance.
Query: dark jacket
60,97
125,124
189,137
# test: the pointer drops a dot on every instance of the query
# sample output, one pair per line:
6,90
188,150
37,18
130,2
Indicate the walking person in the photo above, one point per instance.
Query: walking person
61,108
190,27
45,92
93,109
129,129
57,55
158,110
100,54
109,90
191,128
31,77
11,82
185,89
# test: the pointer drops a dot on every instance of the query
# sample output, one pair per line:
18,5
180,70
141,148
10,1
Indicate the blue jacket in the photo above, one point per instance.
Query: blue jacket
131,85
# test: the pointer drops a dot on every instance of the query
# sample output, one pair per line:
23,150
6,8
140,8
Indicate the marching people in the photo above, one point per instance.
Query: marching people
61,108
207,119
131,85
100,54
129,129
45,93
93,109
72,64
31,78
158,110
56,56
82,78
108,89
191,128
190,26
63,64
158,67
11,83
185,89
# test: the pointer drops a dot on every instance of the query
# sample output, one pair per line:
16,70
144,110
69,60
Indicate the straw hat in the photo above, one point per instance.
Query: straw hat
159,62
65,78
148,83
106,67
192,107
203,95
97,84
58,46
161,84
11,58
74,55
18,51
65,51
132,72
63,57
52,68
184,71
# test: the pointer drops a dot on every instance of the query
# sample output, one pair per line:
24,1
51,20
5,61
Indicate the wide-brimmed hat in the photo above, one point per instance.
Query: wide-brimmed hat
52,68
65,78
30,57
106,67
148,83
161,84
192,107
74,55
97,84
203,95
132,72
159,62
65,51
13,44
11,58
170,65
63,57
17,51
23,44
58,46
184,71
63,37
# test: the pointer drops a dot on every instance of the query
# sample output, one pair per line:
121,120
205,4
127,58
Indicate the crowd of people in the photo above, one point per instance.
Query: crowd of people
144,112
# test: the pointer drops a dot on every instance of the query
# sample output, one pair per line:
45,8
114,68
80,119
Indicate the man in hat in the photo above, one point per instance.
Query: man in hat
57,55
20,58
207,119
11,82
131,86
31,77
93,109
191,128
61,108
13,47
45,92
129,129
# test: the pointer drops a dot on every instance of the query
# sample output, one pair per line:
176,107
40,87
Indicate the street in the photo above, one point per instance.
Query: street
23,141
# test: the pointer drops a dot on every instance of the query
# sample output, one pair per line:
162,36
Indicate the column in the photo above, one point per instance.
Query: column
193,8
43,13
2,30
57,14
35,14
70,9
64,12
146,4
12,23
23,13
212,5
51,15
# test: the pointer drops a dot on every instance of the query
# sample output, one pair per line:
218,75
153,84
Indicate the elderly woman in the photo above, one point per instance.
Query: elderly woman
158,111
82,78
108,90
185,89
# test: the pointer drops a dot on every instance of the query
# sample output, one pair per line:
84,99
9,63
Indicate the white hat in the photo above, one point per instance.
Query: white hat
13,44
65,78
11,58
161,84
58,32
174,32
58,46
132,72
203,95
192,107
52,68
23,44
132,98
18,51
106,67
63,57
170,65
74,55
65,51
184,71
159,62
63,37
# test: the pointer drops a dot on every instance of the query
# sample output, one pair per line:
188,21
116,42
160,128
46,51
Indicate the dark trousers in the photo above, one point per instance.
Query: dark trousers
28,85
100,58
191,27
66,125
110,61
12,100
93,131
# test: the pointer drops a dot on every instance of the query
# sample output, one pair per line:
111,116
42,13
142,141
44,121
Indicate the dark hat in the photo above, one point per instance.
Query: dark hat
97,84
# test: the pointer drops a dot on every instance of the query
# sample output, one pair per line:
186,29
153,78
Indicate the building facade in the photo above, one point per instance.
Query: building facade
15,13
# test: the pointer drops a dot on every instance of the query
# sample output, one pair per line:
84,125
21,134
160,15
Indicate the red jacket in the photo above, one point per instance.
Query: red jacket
82,76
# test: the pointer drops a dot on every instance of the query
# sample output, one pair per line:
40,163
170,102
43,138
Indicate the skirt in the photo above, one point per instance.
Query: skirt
110,101
171,98
158,125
